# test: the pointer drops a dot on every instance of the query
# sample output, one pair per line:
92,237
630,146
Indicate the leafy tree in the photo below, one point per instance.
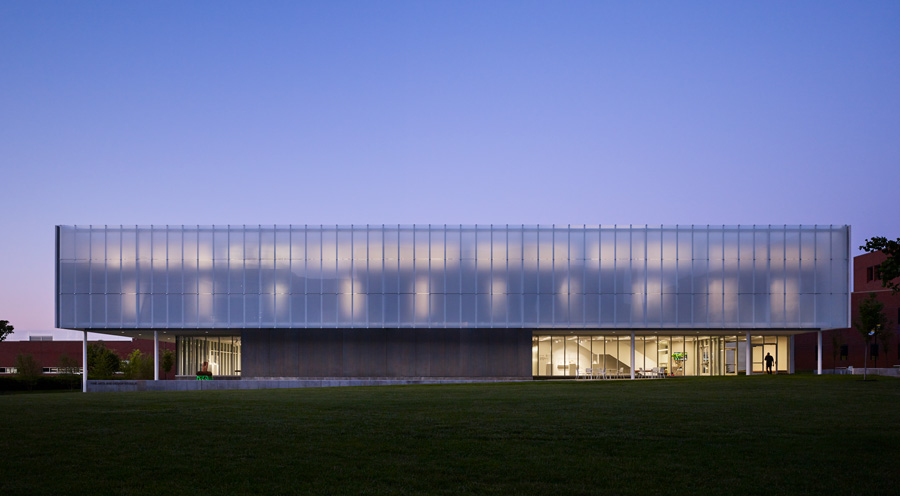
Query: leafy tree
884,340
68,367
103,363
138,366
837,340
168,361
890,268
871,324
27,369
5,329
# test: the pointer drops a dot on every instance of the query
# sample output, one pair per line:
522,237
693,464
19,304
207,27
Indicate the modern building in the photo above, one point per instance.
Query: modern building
843,348
485,302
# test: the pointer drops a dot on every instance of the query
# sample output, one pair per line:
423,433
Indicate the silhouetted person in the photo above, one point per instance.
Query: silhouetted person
769,361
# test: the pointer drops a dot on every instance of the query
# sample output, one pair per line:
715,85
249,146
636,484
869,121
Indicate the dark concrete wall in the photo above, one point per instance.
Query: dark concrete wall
386,353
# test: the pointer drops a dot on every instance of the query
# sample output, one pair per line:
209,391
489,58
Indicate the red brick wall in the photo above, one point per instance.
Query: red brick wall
805,344
47,353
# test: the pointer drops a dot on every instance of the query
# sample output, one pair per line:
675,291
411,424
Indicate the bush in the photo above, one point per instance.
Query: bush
27,369
68,365
168,361
103,363
138,366
41,383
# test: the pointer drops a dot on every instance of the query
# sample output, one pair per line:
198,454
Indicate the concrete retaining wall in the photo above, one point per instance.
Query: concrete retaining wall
892,372
121,386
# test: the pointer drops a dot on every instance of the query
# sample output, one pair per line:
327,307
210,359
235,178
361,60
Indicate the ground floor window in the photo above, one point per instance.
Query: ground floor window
655,355
221,353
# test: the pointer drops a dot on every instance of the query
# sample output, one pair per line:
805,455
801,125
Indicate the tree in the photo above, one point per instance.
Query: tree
872,322
103,363
168,361
5,329
837,340
138,366
27,370
68,365
884,339
68,368
890,268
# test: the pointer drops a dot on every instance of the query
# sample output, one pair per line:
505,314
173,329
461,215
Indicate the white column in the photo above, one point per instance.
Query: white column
819,354
632,355
748,355
155,355
84,370
791,344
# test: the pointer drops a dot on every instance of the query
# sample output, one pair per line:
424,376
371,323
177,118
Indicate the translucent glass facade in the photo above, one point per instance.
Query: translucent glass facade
553,277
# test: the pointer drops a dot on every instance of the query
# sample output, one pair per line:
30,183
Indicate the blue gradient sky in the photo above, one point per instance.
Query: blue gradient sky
440,112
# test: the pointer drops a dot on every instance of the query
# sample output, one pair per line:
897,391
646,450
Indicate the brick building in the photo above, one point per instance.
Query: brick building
845,347
47,353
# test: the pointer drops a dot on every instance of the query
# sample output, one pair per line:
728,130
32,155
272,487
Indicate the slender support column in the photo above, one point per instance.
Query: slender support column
155,355
748,355
84,370
819,354
791,344
632,355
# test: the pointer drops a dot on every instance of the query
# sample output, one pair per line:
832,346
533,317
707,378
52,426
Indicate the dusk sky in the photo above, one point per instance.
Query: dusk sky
457,112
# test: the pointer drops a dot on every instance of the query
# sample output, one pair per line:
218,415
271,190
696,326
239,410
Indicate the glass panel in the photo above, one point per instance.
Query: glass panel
97,310
571,358
468,308
267,309
375,309
189,307
514,309
483,310
530,308
220,308
235,308
391,309
544,356
407,303
82,244
678,356
452,309
436,309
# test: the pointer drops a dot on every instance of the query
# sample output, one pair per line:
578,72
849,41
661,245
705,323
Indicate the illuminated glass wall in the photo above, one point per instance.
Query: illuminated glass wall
591,277
658,355
222,354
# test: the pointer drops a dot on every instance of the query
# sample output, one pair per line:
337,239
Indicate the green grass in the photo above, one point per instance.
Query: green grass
736,435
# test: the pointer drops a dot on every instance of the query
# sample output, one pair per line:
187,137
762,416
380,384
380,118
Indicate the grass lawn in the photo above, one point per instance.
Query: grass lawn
737,435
